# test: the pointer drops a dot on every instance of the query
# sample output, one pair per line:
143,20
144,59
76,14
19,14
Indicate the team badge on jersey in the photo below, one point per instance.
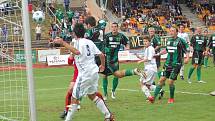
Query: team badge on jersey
111,38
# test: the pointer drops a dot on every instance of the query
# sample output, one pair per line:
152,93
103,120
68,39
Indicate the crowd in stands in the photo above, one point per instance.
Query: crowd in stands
138,16
204,10
62,21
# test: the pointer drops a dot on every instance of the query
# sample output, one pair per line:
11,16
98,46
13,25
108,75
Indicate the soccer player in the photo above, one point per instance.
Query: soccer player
71,85
212,46
93,33
113,41
176,47
182,34
206,54
150,68
87,80
156,43
199,43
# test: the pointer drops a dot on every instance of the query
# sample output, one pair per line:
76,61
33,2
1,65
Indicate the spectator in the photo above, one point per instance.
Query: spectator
16,32
5,33
54,29
66,5
38,32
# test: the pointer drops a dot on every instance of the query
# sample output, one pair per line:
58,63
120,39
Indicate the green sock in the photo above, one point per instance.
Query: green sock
199,73
172,90
157,91
159,74
190,72
206,61
105,84
129,72
115,83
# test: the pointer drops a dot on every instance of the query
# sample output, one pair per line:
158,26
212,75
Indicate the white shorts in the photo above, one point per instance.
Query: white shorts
86,83
150,77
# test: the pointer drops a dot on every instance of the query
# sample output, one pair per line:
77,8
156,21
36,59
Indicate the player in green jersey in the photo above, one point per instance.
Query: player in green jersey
212,46
175,49
206,56
199,43
156,43
113,41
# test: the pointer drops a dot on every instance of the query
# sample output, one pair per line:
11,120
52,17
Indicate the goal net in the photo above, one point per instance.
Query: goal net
13,79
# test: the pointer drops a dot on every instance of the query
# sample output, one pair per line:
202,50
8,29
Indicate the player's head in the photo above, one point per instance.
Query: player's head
198,30
181,28
173,32
147,41
79,30
90,21
114,27
151,31
206,32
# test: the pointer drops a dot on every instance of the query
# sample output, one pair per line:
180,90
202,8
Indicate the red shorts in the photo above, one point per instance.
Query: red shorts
75,75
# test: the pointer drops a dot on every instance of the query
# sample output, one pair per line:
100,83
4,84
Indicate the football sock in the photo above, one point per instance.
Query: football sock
71,112
159,74
115,83
152,87
99,95
199,73
157,91
129,72
206,61
182,71
190,72
101,106
171,90
68,100
146,91
105,84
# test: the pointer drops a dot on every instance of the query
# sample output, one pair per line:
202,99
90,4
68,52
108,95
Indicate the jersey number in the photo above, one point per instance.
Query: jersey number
88,50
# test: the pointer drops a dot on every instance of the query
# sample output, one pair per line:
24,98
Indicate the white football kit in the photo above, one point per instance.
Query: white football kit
150,67
87,80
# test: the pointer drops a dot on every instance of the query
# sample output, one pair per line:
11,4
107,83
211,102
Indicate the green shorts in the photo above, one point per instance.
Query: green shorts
110,68
171,72
197,58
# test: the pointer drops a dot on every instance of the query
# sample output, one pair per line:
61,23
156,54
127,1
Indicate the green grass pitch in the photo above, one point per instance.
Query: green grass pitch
192,102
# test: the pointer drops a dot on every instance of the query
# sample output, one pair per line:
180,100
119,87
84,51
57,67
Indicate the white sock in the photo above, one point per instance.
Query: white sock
182,71
101,106
146,91
71,112
152,87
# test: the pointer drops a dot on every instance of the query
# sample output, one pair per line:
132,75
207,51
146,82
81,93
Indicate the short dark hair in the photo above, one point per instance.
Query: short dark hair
115,23
147,38
90,20
79,30
181,25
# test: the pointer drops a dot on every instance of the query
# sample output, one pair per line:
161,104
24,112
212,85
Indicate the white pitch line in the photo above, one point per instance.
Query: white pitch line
131,90
5,118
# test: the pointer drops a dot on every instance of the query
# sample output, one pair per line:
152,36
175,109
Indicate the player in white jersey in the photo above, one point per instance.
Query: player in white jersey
184,36
150,69
87,80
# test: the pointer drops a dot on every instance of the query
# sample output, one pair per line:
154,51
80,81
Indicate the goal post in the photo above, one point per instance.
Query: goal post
17,94
28,54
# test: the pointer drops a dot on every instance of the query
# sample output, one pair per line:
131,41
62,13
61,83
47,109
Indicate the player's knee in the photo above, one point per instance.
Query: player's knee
75,101
91,96
162,80
171,82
